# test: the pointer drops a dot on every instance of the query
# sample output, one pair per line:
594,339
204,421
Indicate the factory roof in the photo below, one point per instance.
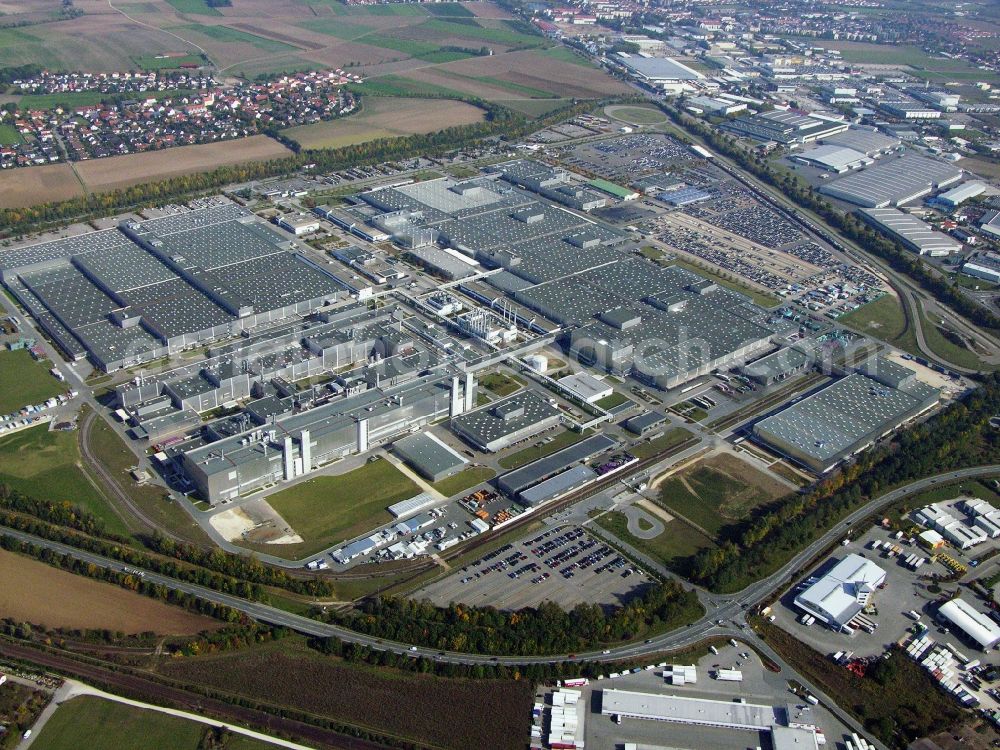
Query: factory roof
867,141
836,158
963,192
841,592
892,182
570,479
830,424
660,68
645,421
428,454
683,709
505,417
518,479
914,233
978,626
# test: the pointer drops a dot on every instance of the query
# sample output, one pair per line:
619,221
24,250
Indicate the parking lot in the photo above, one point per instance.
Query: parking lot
564,565
629,157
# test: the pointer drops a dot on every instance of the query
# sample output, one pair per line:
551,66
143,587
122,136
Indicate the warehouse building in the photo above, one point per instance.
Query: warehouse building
645,423
660,72
983,266
833,158
518,480
848,415
429,456
498,425
684,327
781,364
841,594
790,726
978,627
913,233
586,387
572,479
868,141
555,184
148,289
784,127
958,195
893,182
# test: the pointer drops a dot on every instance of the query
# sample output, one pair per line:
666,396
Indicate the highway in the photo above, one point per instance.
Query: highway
724,613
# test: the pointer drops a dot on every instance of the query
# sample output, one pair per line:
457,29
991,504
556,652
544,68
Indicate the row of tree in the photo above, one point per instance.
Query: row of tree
545,629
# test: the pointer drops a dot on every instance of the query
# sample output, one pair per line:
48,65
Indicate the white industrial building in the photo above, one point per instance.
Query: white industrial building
790,726
834,158
958,195
914,234
842,593
977,626
983,266
956,532
586,387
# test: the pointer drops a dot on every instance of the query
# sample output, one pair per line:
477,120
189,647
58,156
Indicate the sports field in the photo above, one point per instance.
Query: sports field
99,724
31,591
327,510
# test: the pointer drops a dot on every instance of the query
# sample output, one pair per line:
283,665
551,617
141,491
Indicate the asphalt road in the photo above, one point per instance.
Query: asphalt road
724,615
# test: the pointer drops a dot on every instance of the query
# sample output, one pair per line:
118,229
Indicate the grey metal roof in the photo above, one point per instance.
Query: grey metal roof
891,182
516,480
426,453
831,421
487,423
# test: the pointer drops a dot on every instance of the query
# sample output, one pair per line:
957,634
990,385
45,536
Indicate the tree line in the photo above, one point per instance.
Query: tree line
532,631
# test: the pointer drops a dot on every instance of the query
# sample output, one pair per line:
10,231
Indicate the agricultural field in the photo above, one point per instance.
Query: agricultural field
422,709
26,187
115,172
718,491
99,724
31,591
385,117
327,510
25,381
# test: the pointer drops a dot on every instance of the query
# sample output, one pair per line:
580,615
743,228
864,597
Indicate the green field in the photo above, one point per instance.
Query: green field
393,85
326,510
948,350
195,7
25,381
501,383
501,34
522,457
678,540
514,88
98,724
45,465
152,62
9,135
449,9
712,498
661,444
464,480
610,402
563,54
226,34
883,319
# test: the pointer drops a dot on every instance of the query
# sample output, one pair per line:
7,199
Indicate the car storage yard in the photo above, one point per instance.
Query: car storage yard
564,565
